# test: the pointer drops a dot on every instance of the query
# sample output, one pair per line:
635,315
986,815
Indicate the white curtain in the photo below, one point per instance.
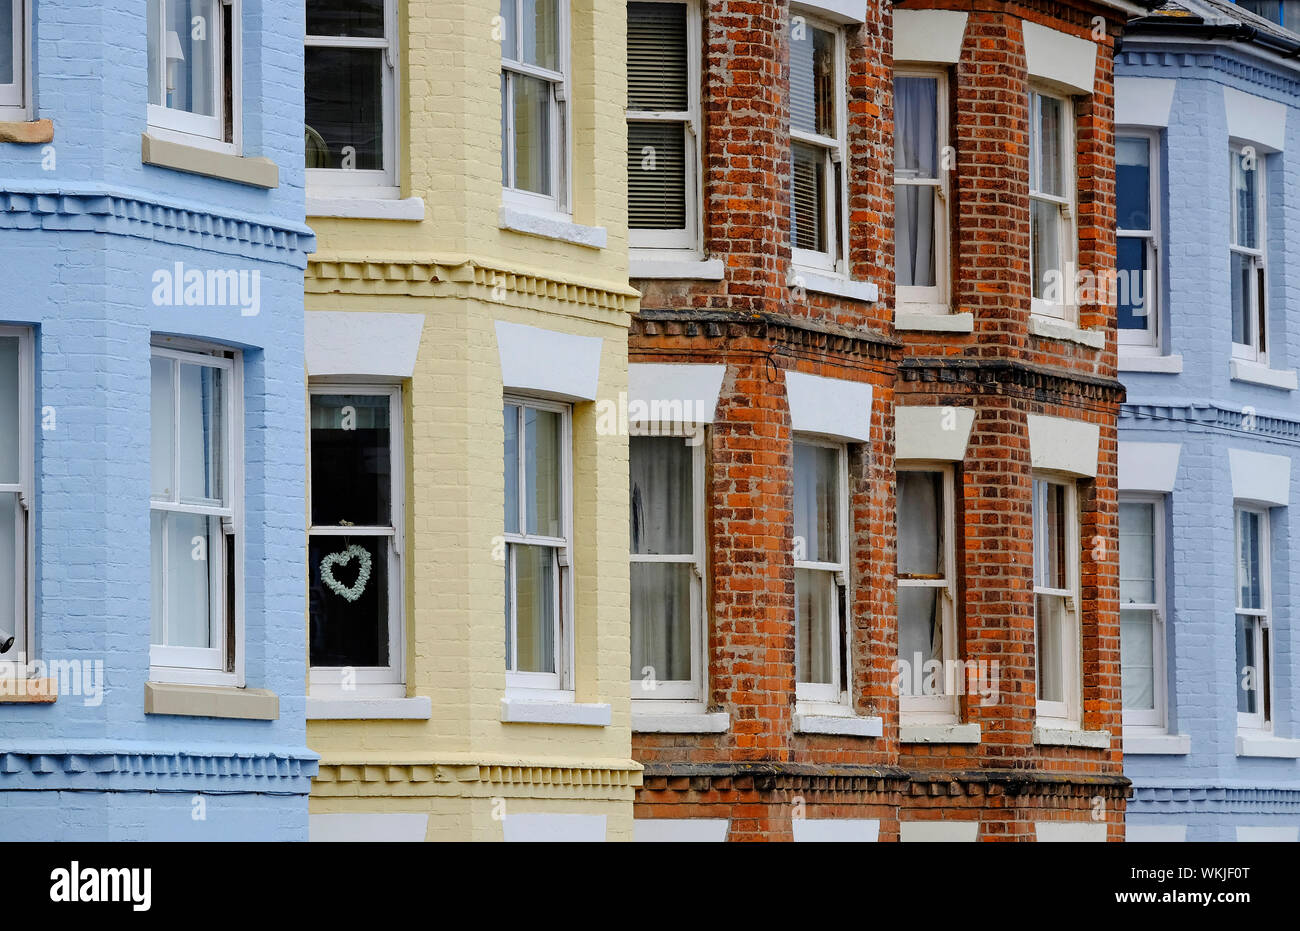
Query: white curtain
662,525
816,501
915,157
920,552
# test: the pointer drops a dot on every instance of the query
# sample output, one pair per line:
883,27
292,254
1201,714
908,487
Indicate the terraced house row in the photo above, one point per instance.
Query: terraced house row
658,420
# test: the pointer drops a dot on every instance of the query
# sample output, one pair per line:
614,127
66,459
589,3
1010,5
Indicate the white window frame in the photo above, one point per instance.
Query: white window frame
835,154
379,183
934,709
14,103
836,692
1260,721
689,240
1062,713
199,665
1154,718
692,690
207,132
559,684
1146,342
1256,303
559,202
23,650
1067,310
935,299
371,681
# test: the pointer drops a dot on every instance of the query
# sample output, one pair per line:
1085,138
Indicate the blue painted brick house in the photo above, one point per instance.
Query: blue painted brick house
1208,162
152,246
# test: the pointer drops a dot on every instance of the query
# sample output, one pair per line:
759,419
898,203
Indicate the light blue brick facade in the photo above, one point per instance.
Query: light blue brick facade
1221,783
84,228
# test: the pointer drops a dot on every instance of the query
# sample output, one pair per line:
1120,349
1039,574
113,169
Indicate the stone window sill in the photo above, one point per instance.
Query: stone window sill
1255,374
419,708
1265,745
210,701
366,208
1139,362
582,714
685,269
840,721
679,722
1071,737
939,733
28,691
163,153
1156,744
551,226
1058,329
834,285
934,322
30,132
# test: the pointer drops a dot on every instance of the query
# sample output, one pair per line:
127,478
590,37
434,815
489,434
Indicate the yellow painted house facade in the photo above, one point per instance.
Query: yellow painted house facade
467,312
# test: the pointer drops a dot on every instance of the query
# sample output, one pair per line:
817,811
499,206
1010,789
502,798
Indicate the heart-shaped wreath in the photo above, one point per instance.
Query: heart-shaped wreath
342,559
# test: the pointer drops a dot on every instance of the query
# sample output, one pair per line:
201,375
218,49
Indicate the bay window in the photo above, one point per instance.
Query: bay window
818,159
667,570
13,59
663,124
17,384
926,623
354,566
350,105
1051,204
1137,240
821,571
1141,616
534,103
921,189
1247,256
1056,600
1253,625
194,71
196,514
539,545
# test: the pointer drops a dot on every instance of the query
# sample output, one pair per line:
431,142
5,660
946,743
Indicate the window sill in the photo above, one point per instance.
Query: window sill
939,733
680,722
694,269
583,714
210,701
936,322
163,153
29,132
832,719
419,708
834,285
1142,362
1136,743
1058,329
28,691
551,226
1071,737
1255,374
366,208
1266,745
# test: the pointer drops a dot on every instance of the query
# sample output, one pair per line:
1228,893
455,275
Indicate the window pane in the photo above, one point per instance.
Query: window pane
814,616
1049,612
1242,309
1248,672
194,552
157,609
543,467
656,175
190,54
511,468
1250,593
351,467
1137,673
662,496
657,70
916,152
914,215
807,201
540,34
1245,201
1133,183
10,472
162,426
202,433
1132,283
534,599
812,82
532,123
1050,164
1050,535
510,30
1045,224
661,622
7,42
816,502
1137,554
348,601
345,108
358,18
920,523
920,625
9,578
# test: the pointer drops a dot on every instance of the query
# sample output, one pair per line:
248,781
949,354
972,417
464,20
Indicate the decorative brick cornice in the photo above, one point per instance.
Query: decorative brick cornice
1211,416
153,768
451,777
465,278
1211,798
140,216
1006,376
715,329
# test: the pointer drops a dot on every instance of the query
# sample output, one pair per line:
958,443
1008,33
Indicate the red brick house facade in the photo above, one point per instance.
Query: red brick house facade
960,412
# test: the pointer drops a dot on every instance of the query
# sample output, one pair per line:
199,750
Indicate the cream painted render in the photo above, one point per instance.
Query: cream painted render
371,344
